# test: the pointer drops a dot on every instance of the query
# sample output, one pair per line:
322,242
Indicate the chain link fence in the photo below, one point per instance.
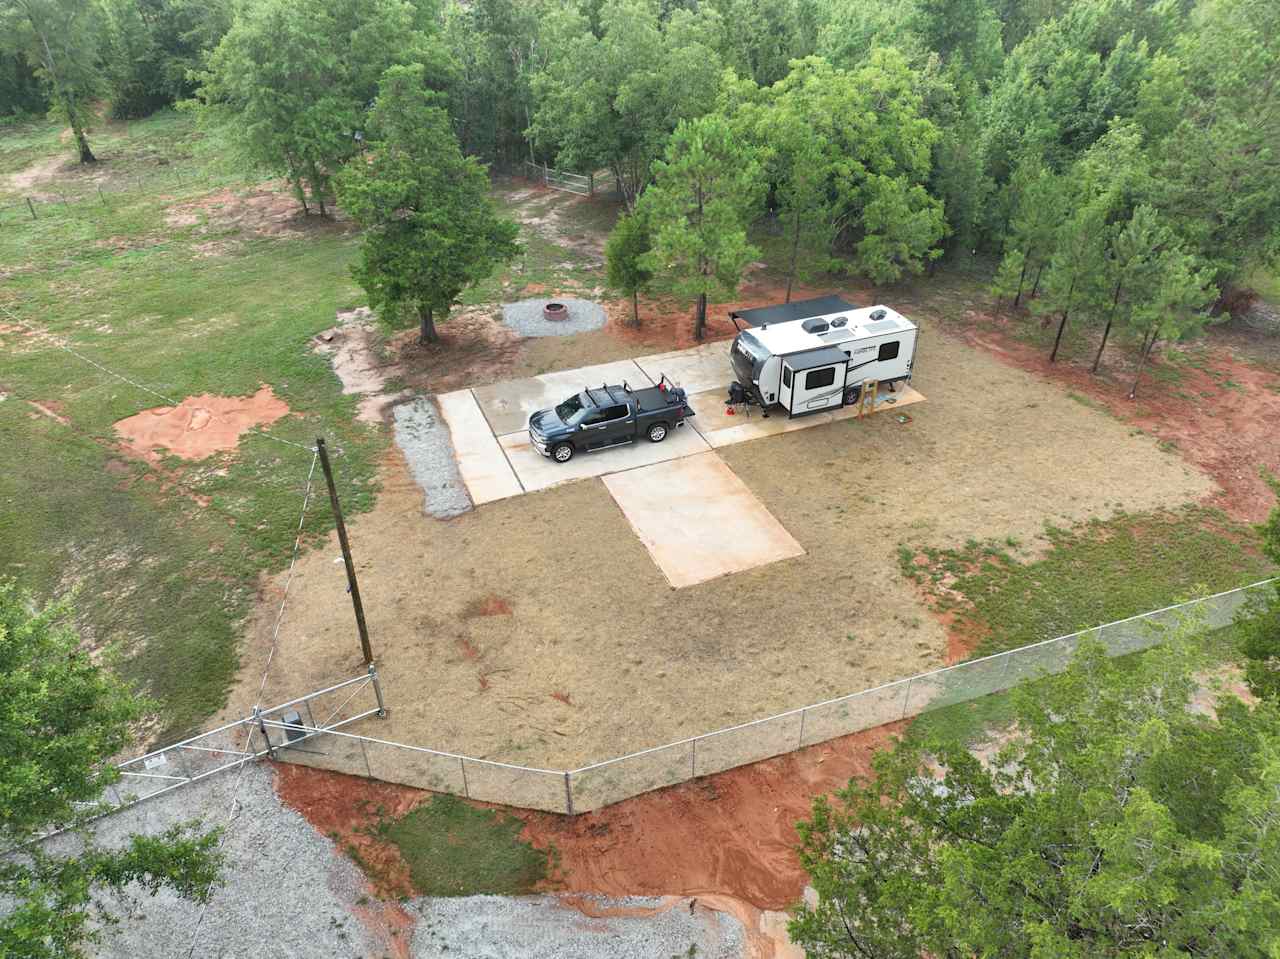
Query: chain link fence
299,725
89,196
309,730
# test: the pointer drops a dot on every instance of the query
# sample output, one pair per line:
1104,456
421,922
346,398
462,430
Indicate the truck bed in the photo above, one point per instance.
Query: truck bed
653,398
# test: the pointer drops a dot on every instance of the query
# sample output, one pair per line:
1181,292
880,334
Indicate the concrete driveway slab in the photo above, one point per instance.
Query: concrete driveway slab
720,429
507,405
481,462
702,368
536,471
698,520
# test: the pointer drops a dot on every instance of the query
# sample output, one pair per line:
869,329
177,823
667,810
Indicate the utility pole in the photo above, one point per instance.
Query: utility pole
352,586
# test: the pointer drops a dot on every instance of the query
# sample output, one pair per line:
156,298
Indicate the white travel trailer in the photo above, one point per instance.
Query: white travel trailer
814,355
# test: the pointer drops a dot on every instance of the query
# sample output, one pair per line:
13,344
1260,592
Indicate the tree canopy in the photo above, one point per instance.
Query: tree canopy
290,80
697,210
61,719
431,230
1117,821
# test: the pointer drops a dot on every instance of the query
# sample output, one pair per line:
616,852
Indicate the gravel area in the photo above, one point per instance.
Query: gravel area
493,927
526,317
424,439
288,892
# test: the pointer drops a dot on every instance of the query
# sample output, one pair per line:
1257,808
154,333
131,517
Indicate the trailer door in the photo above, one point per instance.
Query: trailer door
817,388
784,390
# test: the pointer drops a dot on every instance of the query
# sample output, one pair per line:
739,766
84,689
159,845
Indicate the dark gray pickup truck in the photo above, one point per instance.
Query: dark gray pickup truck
605,416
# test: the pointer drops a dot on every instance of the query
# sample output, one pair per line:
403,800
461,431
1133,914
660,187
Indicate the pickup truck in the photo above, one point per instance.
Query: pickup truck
605,416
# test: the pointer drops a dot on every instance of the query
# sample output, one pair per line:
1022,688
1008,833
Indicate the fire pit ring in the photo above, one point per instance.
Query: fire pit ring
555,311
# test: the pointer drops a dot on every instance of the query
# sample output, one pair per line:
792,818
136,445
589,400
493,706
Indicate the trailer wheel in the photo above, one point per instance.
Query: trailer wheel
657,432
562,453
852,395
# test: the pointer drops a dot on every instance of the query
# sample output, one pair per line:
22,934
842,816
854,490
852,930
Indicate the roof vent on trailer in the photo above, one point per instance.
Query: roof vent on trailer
815,324
839,321
877,315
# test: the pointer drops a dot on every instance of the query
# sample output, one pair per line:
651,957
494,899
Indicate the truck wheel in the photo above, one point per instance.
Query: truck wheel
657,432
562,453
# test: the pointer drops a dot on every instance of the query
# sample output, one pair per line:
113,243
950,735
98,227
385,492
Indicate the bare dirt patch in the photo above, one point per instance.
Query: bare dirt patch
45,170
474,348
268,209
995,452
52,409
1205,402
355,349
731,834
199,426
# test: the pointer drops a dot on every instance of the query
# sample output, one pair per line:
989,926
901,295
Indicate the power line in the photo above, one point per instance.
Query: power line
62,345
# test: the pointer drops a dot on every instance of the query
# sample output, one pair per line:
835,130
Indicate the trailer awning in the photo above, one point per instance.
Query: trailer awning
797,310
812,359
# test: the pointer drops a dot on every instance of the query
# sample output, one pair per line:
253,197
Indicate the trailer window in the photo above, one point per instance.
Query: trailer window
889,351
786,376
820,378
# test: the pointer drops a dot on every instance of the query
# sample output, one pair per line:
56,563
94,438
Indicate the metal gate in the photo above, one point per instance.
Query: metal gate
264,733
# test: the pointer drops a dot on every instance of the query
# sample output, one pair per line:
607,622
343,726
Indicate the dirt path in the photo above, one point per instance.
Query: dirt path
27,182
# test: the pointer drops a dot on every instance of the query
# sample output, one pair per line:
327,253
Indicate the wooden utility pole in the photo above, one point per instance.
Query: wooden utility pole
352,585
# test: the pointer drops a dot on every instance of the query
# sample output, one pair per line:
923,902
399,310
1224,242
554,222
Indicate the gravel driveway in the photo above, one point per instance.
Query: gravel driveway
290,893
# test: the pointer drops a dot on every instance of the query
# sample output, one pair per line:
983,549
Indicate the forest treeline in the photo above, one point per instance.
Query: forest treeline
1120,157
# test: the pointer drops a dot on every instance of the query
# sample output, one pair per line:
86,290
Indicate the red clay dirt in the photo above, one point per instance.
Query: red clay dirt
730,835
199,426
1220,412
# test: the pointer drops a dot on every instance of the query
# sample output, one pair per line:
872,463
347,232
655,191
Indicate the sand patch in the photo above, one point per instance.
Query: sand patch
353,350
200,425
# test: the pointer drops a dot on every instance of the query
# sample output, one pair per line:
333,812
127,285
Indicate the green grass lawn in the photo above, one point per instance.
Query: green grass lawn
1096,573
164,582
454,849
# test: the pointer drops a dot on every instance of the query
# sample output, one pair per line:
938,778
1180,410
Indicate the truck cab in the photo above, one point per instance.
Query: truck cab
601,417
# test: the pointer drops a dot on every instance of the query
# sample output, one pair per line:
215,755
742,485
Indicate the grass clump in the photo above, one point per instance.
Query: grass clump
1096,573
455,849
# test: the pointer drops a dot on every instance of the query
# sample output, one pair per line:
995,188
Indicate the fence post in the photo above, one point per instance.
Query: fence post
32,207
906,699
568,794
800,741
693,759
591,184
262,726
466,790
377,691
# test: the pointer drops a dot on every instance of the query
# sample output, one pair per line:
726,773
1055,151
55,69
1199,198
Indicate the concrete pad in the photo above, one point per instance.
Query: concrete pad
699,520
536,471
699,369
507,405
481,462
720,429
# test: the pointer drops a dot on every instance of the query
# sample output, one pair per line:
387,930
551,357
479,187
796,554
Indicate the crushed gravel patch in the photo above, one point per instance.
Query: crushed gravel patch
534,927
423,437
289,892
526,317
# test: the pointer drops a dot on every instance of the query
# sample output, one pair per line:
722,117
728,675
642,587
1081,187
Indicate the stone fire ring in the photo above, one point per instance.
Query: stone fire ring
562,316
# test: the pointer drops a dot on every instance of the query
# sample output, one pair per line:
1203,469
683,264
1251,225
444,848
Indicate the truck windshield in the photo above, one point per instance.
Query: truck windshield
569,408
